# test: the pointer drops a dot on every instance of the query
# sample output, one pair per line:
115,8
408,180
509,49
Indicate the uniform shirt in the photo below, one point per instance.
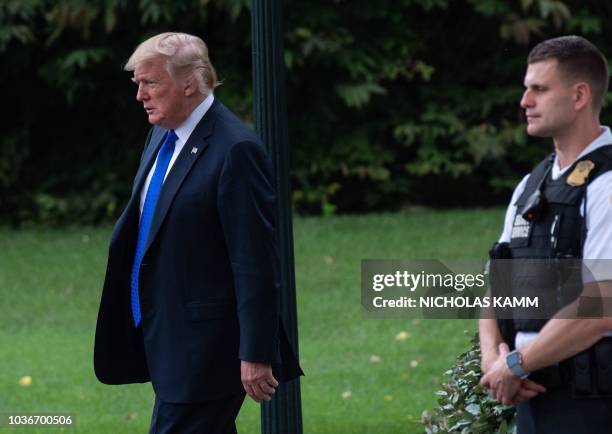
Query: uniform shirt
598,243
183,132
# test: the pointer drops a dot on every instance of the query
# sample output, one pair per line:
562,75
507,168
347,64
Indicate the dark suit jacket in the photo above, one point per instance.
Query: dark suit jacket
209,291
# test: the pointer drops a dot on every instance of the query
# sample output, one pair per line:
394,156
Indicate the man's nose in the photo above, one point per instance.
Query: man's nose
526,100
141,95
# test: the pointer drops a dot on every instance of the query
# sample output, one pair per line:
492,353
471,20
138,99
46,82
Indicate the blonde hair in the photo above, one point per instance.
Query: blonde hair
186,55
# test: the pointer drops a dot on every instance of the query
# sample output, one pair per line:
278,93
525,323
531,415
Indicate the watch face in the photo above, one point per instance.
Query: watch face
513,358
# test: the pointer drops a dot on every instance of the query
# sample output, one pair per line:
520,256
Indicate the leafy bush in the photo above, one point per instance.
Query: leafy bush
464,406
391,103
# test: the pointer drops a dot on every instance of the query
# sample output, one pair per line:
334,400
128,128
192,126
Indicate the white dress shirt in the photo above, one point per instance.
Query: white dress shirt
599,205
183,132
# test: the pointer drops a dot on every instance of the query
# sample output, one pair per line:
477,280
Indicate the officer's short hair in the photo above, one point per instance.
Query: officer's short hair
578,59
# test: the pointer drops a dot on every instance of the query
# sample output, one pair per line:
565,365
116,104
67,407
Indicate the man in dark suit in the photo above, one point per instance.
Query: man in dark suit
190,299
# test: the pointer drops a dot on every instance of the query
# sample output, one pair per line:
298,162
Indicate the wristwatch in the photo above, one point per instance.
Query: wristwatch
514,360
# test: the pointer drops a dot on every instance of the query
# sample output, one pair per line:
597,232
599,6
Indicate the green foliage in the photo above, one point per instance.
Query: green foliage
358,95
431,87
464,406
390,104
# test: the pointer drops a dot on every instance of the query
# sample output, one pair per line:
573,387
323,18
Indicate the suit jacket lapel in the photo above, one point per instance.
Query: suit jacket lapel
181,167
150,154
148,158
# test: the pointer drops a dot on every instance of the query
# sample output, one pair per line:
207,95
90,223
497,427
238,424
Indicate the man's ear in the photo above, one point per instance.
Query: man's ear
582,95
191,86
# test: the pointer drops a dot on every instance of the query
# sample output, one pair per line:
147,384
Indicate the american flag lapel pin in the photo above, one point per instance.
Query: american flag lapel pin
194,150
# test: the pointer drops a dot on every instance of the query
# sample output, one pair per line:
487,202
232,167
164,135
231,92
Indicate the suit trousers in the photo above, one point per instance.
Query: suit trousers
557,412
209,417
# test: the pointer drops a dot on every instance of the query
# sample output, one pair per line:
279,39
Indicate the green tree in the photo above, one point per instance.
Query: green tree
390,103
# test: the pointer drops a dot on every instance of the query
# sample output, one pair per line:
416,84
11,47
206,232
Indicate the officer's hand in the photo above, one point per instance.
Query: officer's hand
501,381
529,389
487,359
257,380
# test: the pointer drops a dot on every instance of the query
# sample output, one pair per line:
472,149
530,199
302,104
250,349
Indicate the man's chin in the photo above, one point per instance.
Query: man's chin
532,130
156,120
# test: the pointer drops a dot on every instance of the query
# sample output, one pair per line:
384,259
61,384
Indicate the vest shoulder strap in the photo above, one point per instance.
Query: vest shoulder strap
535,178
602,158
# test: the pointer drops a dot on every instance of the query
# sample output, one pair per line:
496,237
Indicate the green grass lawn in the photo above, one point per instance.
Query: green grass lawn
359,377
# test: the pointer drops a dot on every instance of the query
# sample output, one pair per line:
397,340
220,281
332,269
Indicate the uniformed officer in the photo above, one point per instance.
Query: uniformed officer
558,371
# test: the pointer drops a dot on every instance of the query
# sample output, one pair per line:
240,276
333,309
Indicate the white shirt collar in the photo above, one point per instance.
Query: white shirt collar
185,129
605,138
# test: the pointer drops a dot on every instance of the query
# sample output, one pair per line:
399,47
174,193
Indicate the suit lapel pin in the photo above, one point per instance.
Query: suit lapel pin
194,150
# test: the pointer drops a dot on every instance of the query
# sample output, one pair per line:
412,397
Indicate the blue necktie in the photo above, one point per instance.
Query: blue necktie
148,210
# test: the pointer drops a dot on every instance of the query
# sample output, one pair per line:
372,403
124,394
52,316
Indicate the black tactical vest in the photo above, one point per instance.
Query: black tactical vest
544,241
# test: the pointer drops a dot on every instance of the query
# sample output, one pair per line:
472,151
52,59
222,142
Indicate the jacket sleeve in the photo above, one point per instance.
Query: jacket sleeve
247,206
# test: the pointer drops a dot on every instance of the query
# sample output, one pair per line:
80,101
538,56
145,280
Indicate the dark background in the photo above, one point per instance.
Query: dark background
391,103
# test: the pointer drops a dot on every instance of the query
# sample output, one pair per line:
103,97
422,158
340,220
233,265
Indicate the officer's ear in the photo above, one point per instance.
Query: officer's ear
582,95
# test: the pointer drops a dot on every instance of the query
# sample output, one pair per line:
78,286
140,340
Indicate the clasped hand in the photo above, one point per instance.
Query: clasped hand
504,386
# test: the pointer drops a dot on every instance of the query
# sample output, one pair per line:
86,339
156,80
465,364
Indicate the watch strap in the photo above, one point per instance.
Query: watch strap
513,360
